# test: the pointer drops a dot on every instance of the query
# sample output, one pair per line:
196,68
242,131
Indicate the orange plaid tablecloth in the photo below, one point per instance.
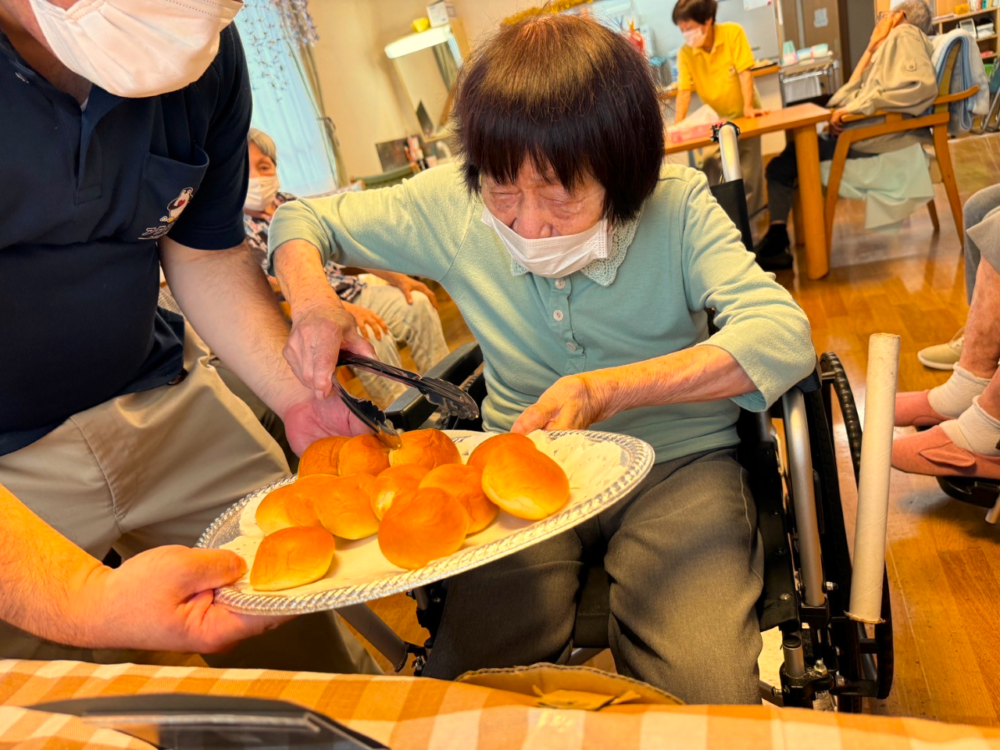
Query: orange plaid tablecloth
408,713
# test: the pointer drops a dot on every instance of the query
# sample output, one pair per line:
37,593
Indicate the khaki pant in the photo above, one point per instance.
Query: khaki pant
156,468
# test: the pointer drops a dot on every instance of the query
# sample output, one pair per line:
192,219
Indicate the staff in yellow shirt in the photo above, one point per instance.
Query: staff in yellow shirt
715,62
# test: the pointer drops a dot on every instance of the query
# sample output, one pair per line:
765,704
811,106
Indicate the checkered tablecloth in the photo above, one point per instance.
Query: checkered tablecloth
407,714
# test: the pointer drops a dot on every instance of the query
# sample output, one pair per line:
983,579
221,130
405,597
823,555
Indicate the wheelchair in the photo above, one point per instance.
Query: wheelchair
829,660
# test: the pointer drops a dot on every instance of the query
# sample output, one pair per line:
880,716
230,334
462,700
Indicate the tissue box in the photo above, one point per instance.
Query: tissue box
441,13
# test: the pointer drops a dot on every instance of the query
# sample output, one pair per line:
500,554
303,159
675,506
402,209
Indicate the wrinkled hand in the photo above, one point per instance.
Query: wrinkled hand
571,403
366,319
408,285
311,420
754,112
837,121
163,600
319,332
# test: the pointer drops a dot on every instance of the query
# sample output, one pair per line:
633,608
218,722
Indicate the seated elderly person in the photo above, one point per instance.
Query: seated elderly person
895,74
404,311
584,269
964,412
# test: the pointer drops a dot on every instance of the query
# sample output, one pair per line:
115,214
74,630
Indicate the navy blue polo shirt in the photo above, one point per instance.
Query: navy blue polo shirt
87,195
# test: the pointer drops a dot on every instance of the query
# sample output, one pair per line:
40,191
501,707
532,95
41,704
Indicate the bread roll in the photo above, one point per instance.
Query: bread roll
289,506
465,484
428,448
393,482
292,557
322,457
364,454
345,510
525,483
421,527
485,449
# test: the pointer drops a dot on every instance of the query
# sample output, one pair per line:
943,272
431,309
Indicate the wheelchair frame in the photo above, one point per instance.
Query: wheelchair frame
807,568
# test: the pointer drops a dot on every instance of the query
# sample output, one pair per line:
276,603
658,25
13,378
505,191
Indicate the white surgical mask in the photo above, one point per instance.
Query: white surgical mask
694,37
136,48
552,257
261,192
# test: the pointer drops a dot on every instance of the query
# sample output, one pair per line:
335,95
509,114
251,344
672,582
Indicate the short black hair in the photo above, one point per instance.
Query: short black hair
571,95
699,11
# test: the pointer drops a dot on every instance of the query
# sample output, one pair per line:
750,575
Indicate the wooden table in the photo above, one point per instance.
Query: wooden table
801,120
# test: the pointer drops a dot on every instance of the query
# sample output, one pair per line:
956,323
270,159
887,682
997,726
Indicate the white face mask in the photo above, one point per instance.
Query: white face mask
261,193
136,48
552,257
694,37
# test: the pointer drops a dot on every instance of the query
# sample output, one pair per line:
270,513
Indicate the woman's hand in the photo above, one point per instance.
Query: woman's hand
837,121
574,402
754,112
366,319
319,331
408,285
163,600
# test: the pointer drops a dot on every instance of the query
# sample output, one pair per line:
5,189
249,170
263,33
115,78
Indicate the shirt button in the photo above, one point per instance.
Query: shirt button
571,346
561,284
558,315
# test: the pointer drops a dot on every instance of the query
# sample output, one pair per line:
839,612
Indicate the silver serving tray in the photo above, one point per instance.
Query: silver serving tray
507,535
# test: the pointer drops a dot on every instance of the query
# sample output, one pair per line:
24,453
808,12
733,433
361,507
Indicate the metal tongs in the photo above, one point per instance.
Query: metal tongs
451,399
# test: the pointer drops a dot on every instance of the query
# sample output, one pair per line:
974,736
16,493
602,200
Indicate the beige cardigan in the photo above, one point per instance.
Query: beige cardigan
899,78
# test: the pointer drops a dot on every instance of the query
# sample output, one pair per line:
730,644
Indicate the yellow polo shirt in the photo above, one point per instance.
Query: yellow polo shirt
715,75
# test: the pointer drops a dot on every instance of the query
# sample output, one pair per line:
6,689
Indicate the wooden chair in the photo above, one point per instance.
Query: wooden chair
936,119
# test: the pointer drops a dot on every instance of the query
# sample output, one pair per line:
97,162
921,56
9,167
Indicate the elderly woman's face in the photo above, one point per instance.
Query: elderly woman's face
537,206
261,165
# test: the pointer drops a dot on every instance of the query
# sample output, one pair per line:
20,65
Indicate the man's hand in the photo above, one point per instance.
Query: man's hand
754,112
837,121
163,600
319,332
408,285
366,319
308,421
574,402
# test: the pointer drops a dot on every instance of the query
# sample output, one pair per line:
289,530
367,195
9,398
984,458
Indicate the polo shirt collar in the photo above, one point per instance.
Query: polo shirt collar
719,42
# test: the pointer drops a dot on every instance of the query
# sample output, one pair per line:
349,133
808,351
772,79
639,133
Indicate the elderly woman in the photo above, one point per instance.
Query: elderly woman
403,311
585,273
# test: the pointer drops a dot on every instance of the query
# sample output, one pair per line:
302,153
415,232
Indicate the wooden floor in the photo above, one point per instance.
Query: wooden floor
943,559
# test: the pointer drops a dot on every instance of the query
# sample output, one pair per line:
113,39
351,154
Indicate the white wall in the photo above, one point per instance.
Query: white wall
356,79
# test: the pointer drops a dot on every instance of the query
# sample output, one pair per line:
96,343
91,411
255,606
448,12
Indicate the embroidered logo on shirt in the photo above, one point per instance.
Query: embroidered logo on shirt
174,209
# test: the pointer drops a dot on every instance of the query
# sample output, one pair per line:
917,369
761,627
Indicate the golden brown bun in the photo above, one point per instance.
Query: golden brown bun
292,557
345,509
525,483
421,527
465,484
428,448
364,454
288,506
322,457
394,482
485,449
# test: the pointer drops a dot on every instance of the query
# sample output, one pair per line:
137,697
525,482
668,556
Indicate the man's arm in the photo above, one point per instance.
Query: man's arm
226,297
159,600
746,87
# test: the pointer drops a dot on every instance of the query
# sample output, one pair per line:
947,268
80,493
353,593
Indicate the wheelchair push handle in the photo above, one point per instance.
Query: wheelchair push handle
727,135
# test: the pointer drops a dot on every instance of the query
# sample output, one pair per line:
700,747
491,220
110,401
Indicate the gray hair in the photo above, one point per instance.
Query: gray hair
917,14
264,142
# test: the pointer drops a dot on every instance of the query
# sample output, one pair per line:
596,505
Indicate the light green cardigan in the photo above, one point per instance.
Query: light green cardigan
648,299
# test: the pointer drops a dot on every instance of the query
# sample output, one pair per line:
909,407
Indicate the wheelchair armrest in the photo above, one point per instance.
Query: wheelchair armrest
411,410
810,384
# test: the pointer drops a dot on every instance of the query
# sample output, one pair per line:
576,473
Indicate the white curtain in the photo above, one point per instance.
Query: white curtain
284,106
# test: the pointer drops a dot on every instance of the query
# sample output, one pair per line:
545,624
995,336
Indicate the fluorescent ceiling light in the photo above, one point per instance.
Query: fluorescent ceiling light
419,41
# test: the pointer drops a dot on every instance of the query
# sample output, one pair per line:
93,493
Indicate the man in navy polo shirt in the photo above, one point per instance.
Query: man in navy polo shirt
126,122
